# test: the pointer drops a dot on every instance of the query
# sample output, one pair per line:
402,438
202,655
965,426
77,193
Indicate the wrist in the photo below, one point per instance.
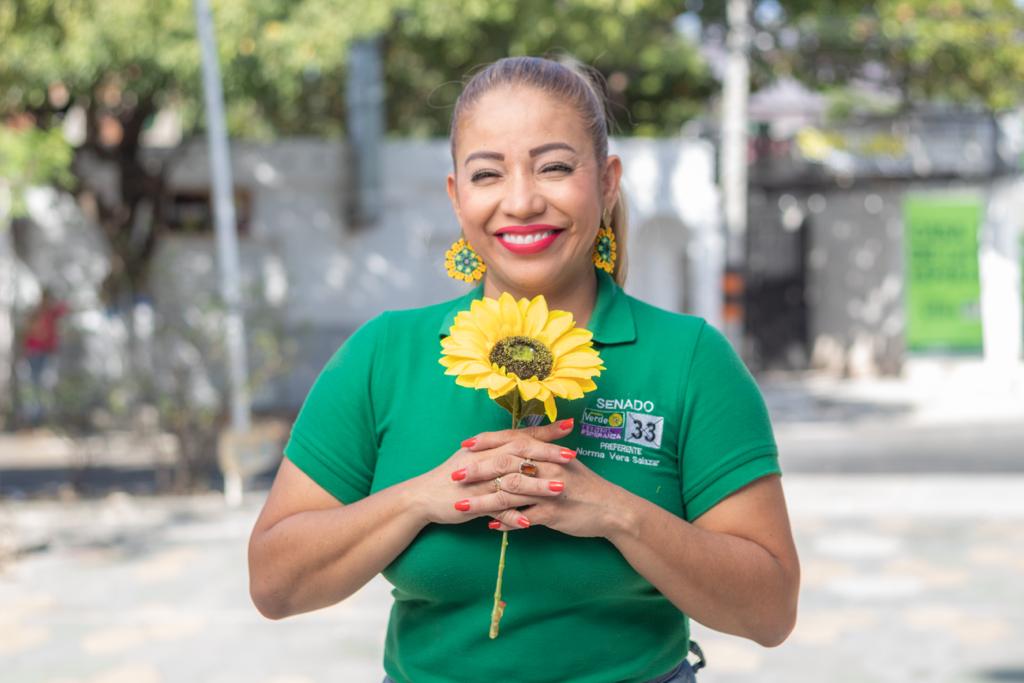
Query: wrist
622,515
414,501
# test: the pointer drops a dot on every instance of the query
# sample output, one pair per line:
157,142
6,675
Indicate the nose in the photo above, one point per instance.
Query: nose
522,198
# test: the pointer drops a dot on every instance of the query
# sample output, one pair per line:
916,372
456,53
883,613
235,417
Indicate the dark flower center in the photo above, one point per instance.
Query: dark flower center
523,356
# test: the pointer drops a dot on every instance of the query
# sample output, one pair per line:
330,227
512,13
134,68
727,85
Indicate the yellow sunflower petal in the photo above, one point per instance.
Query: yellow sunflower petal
564,388
486,319
511,318
578,359
495,394
524,306
529,389
559,322
575,373
550,409
467,367
496,384
470,381
570,341
535,316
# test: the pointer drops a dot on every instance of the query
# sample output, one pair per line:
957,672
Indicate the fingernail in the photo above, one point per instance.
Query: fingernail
469,443
567,453
565,425
493,524
556,485
459,475
462,506
523,522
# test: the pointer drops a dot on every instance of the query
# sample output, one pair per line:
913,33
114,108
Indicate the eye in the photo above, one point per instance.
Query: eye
477,176
557,167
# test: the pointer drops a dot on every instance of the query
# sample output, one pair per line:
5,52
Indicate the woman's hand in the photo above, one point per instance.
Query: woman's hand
463,487
566,495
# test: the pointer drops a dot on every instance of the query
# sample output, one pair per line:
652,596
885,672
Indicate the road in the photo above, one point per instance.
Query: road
906,578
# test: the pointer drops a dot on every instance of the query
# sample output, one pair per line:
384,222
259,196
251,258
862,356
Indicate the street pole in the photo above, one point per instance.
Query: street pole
733,162
227,237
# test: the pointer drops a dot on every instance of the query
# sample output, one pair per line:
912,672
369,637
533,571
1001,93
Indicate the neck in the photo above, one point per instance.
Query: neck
578,297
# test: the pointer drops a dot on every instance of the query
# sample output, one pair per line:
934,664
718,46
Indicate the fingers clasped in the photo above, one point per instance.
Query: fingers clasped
513,464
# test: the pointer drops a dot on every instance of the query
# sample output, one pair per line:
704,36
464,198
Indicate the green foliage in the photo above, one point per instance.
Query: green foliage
29,156
657,80
956,51
283,61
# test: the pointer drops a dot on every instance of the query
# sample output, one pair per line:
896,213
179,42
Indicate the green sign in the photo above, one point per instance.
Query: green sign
943,289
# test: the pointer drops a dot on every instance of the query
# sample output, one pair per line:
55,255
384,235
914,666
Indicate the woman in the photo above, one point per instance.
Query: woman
656,496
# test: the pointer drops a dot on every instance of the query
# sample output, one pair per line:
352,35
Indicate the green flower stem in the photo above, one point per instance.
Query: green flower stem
516,408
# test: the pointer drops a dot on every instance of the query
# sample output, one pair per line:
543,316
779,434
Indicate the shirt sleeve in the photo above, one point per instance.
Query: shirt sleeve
727,440
334,438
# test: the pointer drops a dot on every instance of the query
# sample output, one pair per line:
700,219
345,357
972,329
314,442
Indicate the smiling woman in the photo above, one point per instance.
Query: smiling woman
673,508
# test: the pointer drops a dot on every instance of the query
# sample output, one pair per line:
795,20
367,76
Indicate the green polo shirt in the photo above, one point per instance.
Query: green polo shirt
676,419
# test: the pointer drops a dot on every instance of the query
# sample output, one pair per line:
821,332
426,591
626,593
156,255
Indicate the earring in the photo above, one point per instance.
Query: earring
604,247
462,263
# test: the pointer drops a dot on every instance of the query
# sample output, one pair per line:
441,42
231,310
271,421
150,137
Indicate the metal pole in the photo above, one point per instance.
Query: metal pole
227,238
733,159
365,97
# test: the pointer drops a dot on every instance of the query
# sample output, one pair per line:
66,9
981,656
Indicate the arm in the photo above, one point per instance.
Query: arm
735,569
308,551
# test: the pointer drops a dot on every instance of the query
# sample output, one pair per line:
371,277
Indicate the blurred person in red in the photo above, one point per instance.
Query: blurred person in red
40,344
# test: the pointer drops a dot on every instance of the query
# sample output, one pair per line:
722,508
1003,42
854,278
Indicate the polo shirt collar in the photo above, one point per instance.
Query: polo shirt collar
611,322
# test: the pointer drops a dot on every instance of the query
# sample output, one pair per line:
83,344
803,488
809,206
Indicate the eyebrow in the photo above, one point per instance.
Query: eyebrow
536,151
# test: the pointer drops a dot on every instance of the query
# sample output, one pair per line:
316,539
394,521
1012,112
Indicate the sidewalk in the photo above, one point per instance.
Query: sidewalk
942,416
905,578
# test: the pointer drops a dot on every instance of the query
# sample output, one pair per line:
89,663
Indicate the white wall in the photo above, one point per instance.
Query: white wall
324,278
329,278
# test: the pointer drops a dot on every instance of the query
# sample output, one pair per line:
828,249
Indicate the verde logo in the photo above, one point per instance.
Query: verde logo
603,424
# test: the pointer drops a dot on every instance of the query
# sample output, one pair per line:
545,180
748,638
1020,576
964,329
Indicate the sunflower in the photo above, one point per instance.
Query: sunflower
523,354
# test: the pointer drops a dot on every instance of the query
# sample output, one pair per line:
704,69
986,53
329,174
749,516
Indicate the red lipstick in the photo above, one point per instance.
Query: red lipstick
527,239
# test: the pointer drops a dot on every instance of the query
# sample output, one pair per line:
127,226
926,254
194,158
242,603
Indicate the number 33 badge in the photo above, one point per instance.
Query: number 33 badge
644,430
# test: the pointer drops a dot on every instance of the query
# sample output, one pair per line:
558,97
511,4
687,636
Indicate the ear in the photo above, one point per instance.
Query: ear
453,196
610,180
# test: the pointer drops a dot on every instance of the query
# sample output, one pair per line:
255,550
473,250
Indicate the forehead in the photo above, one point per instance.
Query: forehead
509,119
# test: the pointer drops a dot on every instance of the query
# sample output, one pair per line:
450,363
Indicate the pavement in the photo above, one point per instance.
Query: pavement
905,578
907,501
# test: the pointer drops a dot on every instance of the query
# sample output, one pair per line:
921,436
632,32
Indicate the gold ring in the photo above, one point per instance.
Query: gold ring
528,468
497,483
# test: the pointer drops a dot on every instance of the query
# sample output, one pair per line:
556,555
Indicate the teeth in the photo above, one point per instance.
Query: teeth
527,239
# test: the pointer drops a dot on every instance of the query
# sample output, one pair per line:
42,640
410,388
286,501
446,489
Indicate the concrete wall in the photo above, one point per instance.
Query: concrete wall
855,277
304,265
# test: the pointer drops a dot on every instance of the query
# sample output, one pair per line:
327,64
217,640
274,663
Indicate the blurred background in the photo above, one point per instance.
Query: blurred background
837,185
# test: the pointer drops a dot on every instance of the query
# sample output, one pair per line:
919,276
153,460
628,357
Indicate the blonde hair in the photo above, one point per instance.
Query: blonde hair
567,81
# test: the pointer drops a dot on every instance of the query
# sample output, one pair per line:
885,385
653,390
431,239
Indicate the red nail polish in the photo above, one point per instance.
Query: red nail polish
493,524
459,475
565,425
462,506
469,443
567,453
523,522
556,486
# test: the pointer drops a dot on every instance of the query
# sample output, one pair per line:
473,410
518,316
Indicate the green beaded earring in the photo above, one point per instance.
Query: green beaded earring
462,263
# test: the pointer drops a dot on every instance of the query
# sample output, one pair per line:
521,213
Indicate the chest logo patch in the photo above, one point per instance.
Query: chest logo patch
644,430
603,424
622,425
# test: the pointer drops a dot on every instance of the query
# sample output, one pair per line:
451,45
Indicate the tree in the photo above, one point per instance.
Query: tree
117,64
965,52
283,61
